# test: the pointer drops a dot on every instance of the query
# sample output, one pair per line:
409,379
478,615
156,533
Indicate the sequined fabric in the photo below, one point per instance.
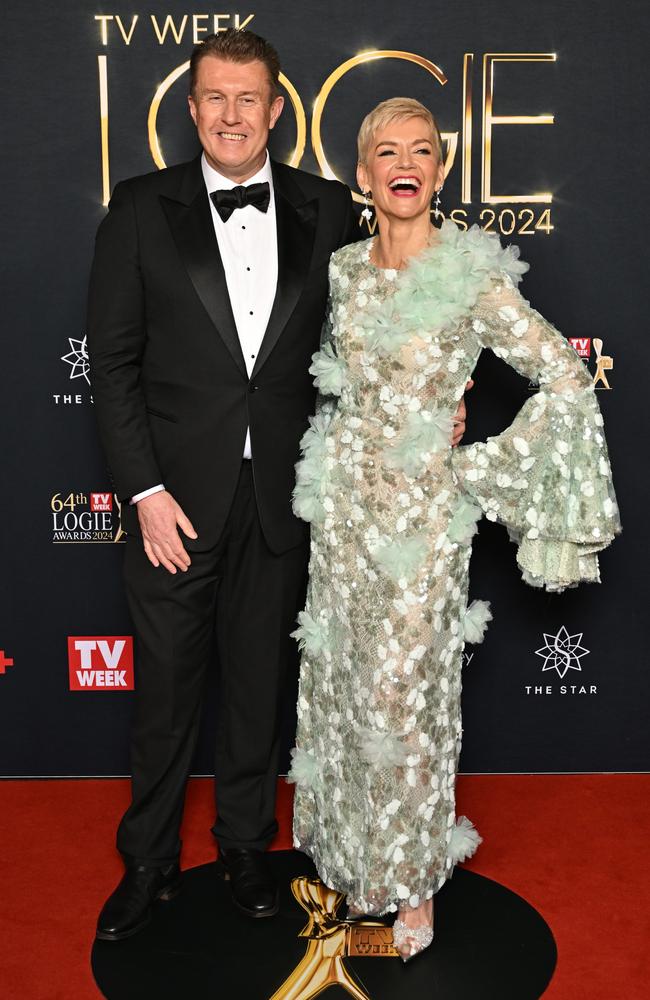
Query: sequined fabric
393,510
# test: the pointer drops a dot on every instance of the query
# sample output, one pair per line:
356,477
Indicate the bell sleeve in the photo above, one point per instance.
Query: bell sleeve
547,478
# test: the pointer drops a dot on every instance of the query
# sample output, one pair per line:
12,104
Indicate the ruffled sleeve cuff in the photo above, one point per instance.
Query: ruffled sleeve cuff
557,565
547,478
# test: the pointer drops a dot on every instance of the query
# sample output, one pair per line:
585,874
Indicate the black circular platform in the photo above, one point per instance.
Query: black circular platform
490,944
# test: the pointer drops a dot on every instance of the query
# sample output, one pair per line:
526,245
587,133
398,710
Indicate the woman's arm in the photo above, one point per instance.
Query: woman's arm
547,478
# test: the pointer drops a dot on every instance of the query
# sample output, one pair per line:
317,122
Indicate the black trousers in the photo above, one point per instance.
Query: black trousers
248,598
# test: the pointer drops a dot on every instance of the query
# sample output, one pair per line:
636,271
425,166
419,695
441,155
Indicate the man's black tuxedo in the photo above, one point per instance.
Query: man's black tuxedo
173,402
169,380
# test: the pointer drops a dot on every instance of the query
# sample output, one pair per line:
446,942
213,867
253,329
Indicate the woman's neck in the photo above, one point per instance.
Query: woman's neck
399,239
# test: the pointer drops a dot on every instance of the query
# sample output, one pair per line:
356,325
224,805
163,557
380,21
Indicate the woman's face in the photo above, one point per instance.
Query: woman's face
402,169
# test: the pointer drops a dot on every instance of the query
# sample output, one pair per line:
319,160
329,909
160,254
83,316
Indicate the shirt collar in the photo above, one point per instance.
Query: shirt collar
215,181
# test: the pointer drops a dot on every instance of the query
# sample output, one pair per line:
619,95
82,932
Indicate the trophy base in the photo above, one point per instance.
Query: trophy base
490,944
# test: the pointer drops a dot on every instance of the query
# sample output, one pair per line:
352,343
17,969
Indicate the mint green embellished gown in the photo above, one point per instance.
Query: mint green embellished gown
393,509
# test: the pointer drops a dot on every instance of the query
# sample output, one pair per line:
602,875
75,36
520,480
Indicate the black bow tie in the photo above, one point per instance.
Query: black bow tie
227,201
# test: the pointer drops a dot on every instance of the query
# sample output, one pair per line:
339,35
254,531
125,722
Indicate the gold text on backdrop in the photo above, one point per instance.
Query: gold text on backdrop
490,119
525,222
451,138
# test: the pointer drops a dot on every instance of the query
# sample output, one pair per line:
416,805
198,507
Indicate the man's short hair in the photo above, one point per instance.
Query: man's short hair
239,46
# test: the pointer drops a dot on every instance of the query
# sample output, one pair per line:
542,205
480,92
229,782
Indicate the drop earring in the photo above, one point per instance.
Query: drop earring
436,204
367,211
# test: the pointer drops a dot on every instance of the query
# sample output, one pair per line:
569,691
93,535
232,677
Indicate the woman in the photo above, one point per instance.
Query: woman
393,510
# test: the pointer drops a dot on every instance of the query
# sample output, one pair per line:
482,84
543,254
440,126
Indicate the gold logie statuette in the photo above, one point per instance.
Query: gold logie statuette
120,533
330,941
604,362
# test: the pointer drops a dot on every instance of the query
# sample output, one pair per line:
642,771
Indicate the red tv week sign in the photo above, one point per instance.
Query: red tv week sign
100,662
582,346
101,501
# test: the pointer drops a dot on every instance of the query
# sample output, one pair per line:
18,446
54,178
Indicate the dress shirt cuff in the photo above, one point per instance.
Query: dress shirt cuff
147,493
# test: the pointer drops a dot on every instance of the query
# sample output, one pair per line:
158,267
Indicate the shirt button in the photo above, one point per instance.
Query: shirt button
248,268
250,312
243,227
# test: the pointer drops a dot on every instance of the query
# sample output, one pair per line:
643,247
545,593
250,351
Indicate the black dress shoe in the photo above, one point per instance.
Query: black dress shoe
254,890
128,909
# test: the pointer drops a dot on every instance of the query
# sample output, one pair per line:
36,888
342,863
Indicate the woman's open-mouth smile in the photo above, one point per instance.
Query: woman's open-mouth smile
405,186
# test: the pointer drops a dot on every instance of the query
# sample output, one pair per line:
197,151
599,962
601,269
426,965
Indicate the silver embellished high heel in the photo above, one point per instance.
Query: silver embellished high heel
410,941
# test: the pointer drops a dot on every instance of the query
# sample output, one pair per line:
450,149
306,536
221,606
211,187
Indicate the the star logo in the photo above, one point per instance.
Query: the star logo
78,359
562,652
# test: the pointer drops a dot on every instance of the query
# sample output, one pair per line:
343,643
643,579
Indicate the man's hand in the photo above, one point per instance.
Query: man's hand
460,418
160,517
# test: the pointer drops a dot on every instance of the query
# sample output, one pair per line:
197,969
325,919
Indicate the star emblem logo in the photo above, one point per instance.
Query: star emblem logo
78,360
562,652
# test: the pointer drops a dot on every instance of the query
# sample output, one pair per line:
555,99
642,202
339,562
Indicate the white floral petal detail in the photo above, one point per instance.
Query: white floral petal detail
329,371
464,522
401,559
425,433
381,749
304,770
311,635
312,470
475,622
464,841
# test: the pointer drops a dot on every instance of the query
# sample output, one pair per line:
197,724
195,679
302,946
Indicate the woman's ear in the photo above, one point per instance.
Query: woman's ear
362,177
440,176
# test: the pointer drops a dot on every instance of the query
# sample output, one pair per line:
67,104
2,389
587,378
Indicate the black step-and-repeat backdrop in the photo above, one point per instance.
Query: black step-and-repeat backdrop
544,111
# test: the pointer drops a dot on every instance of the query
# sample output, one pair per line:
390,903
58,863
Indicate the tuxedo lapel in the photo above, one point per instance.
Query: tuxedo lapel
296,228
190,220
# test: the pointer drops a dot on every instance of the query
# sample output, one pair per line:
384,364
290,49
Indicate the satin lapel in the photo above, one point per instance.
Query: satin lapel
296,227
190,221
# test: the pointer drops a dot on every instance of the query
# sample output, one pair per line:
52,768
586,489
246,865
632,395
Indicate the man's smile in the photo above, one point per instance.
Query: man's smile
232,136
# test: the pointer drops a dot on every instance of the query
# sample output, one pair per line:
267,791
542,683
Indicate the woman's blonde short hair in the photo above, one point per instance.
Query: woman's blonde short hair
396,109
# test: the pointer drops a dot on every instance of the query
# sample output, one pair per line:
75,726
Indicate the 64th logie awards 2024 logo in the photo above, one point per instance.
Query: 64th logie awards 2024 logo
85,517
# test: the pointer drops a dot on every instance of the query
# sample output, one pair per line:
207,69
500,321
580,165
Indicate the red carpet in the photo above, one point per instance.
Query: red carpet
575,846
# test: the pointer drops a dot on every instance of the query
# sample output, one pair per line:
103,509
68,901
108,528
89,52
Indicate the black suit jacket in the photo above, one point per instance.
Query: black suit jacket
169,381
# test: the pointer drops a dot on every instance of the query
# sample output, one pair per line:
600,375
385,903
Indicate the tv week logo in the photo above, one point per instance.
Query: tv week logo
100,663
101,501
581,345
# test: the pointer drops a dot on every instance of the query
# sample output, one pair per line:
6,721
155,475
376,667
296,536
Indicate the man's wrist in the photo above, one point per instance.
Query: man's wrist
147,493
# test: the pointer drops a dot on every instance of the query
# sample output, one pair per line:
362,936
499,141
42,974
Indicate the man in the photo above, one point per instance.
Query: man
206,302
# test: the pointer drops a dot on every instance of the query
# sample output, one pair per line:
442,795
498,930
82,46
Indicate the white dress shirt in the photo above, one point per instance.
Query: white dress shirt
249,252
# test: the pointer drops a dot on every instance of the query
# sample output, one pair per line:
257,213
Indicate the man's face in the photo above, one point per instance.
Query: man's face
233,114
